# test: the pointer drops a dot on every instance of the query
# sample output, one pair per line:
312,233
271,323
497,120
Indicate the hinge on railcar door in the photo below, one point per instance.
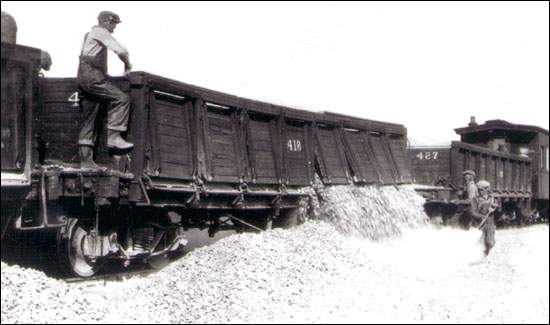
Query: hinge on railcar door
239,199
198,186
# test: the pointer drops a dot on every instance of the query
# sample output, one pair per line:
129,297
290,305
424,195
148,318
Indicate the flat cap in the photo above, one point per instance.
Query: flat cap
108,16
483,184
469,172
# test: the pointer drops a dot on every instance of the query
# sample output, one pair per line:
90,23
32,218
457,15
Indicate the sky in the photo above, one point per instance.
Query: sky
428,66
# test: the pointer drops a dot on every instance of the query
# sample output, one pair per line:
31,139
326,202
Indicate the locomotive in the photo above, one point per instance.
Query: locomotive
512,157
202,159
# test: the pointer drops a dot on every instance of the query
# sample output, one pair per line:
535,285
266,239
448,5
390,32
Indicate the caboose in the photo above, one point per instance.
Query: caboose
202,159
512,157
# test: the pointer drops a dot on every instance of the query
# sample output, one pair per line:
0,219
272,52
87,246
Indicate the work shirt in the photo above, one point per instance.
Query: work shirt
482,205
99,38
471,190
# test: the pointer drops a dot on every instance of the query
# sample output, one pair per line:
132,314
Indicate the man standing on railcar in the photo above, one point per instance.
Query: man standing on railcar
96,89
483,207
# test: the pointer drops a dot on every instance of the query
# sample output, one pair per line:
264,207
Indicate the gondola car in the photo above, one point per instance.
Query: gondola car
201,159
512,157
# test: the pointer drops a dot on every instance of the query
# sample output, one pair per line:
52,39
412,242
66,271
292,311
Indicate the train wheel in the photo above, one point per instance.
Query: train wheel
71,243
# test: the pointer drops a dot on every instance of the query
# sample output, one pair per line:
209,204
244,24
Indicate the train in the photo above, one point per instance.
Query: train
202,159
214,161
512,157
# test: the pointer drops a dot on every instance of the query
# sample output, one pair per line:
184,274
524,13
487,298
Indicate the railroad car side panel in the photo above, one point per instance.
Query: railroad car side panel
331,157
174,149
508,175
482,170
400,158
61,118
543,174
262,145
385,163
430,166
296,155
361,157
222,145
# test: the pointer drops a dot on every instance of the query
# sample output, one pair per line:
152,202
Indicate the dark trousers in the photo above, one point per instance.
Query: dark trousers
488,230
95,90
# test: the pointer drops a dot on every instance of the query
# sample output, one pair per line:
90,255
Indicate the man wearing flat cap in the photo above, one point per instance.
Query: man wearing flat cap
469,194
470,185
96,89
483,207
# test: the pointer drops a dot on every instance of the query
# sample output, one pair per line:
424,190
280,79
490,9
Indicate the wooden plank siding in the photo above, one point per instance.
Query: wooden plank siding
183,133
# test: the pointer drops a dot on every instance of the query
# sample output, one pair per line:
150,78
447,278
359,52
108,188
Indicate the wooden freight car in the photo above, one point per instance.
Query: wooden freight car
518,139
201,159
499,152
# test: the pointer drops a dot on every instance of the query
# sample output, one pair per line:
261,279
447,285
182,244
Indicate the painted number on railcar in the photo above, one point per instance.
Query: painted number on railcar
294,145
74,99
427,155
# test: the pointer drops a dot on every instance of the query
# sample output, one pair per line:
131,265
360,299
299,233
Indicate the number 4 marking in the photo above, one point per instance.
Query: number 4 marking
74,99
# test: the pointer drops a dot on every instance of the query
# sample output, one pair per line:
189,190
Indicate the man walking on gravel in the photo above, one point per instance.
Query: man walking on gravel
483,207
96,89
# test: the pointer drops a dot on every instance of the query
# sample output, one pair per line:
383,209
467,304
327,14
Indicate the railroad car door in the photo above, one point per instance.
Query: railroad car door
296,153
361,158
330,156
172,146
400,158
224,155
262,146
385,164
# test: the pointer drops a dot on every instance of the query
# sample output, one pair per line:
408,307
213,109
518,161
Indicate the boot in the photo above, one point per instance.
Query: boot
86,154
114,140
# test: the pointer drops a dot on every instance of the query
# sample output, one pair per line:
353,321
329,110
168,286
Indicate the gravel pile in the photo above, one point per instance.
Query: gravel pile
372,212
426,275
311,273
30,296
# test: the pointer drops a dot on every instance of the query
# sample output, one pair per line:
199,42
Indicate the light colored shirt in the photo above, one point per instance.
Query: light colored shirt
97,39
472,191
482,206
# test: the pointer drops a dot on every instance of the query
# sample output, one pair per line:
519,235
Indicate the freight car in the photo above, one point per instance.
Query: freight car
201,159
512,157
